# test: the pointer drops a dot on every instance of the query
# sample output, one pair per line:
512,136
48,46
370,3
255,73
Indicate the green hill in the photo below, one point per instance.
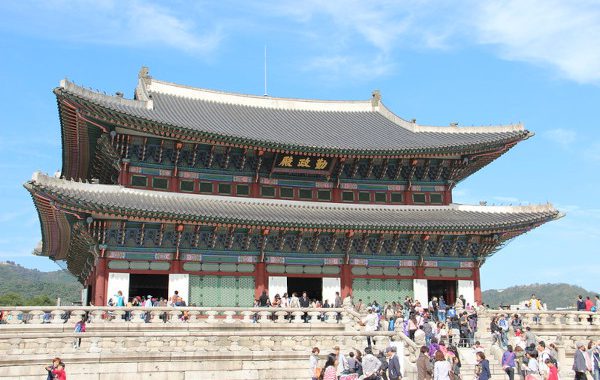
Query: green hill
554,295
22,286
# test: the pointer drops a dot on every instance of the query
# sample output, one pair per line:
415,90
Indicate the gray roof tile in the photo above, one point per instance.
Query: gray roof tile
349,126
265,212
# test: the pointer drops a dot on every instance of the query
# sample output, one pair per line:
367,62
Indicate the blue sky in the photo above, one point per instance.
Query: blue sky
472,62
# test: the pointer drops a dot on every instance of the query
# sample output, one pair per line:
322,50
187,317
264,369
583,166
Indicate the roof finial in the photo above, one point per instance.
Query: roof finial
144,73
376,98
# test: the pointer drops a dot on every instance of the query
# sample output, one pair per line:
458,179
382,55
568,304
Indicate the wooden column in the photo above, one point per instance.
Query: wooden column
477,285
419,272
448,196
101,278
176,266
260,279
336,194
346,280
124,175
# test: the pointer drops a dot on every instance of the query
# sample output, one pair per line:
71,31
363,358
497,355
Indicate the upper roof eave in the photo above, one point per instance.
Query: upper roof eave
292,214
506,134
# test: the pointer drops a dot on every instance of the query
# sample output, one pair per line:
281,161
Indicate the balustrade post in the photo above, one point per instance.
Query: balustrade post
57,316
248,316
331,317
37,317
315,316
137,316
229,314
193,316
281,316
596,319
76,316
298,316
97,316
172,316
263,317
211,316
571,319
14,317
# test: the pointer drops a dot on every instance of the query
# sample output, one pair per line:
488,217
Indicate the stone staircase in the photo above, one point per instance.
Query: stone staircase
216,348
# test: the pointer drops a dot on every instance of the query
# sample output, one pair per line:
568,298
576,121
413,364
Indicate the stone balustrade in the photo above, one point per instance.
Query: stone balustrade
550,318
153,315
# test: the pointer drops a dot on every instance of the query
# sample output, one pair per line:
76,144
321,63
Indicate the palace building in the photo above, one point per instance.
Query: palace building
221,196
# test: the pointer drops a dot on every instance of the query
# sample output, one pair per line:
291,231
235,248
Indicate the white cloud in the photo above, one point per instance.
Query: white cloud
133,23
563,137
564,35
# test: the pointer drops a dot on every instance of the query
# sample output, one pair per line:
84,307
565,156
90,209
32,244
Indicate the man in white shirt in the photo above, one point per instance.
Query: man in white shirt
370,364
371,322
342,361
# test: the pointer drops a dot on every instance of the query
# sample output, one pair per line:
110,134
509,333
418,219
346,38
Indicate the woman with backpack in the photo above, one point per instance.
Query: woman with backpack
482,368
508,362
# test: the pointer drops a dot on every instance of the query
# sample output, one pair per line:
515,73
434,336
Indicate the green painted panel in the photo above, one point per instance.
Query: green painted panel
226,291
359,271
331,270
464,273
207,267
406,272
160,265
118,264
274,268
294,269
192,267
228,267
375,271
390,271
313,270
139,265
245,268
449,264
448,273
140,256
432,272
383,263
381,290
303,261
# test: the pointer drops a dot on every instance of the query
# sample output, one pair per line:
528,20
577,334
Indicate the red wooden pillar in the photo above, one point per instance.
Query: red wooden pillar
176,266
336,195
448,196
419,272
101,277
124,175
477,285
260,279
346,280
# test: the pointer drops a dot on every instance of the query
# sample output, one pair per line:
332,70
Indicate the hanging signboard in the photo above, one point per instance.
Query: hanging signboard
294,163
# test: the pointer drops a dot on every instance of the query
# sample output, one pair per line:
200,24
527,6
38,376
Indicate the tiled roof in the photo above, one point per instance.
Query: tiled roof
127,202
307,125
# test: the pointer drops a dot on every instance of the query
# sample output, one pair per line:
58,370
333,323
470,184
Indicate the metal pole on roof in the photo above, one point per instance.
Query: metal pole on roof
266,94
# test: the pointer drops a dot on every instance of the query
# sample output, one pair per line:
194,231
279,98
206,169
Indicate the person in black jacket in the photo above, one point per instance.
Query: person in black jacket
394,364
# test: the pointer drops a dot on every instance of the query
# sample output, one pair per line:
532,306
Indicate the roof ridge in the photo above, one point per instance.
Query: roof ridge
298,104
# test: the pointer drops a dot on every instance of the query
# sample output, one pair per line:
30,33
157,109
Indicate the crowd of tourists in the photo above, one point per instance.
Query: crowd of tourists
368,364
533,359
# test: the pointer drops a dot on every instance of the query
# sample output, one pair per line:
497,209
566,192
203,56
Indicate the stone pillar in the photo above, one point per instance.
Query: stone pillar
477,285
346,280
260,279
100,283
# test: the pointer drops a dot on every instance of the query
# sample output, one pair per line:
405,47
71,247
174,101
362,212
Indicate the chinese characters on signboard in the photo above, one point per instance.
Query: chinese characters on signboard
292,162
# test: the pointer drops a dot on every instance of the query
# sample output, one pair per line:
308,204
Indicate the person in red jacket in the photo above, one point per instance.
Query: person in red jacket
552,370
588,304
